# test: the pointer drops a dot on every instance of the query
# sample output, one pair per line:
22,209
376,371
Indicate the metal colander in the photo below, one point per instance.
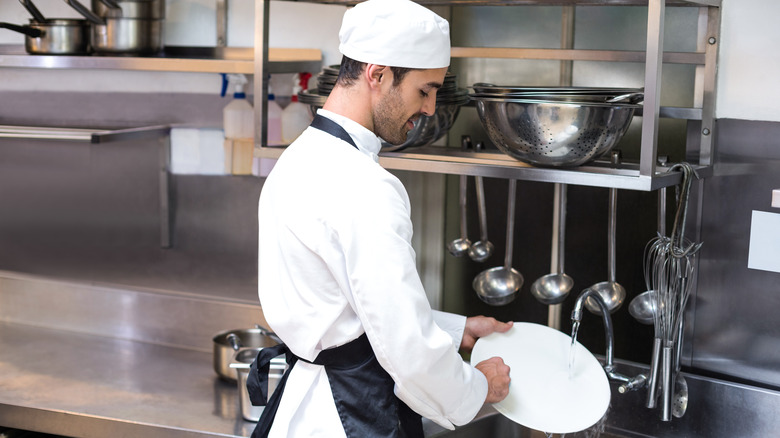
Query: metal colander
553,133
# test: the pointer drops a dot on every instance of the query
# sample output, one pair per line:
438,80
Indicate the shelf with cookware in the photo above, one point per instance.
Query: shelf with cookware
172,59
644,175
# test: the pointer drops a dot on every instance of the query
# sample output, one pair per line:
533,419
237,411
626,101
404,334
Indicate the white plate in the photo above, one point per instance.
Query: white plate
543,395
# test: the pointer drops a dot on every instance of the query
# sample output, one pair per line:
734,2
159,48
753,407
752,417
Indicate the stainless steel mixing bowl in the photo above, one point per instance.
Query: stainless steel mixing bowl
427,129
553,134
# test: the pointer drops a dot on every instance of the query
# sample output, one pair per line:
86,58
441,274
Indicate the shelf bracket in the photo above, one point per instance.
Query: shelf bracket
262,11
653,67
222,23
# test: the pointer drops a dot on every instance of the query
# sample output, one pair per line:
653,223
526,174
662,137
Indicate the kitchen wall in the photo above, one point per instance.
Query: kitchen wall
113,237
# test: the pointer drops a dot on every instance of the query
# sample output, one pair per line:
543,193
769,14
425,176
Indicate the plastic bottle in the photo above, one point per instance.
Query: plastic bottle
262,166
274,137
238,122
296,117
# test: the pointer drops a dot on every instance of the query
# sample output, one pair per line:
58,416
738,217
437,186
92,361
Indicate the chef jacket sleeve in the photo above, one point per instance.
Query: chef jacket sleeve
451,323
386,293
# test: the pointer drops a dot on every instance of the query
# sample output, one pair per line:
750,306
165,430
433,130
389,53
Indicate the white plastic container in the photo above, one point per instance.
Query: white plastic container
238,122
296,117
238,116
275,112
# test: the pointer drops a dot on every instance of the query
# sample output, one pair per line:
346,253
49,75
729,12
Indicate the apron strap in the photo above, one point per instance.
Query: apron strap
362,391
327,125
257,386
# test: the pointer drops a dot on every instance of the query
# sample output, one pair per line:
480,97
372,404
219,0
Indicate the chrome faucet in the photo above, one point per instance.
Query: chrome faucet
626,383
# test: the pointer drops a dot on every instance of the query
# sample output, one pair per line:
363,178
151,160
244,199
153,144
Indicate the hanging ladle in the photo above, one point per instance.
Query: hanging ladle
482,249
498,286
554,287
611,292
461,245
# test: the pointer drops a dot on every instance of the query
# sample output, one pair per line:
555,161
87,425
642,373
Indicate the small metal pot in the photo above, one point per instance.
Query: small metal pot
57,36
127,36
242,364
122,36
145,9
227,344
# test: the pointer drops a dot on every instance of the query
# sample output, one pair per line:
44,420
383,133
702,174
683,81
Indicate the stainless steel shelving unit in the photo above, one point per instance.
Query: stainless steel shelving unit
173,59
645,175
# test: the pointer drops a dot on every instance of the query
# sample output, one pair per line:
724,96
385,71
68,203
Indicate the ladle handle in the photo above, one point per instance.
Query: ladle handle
560,190
463,192
510,222
611,230
612,225
479,183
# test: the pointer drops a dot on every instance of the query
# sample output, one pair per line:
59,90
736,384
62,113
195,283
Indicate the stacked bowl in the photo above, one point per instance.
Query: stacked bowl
555,126
427,129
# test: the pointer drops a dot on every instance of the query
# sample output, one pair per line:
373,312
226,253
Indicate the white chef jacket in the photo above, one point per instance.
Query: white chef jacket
334,261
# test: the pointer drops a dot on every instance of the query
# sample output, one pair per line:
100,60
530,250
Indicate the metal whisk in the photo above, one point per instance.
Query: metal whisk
670,263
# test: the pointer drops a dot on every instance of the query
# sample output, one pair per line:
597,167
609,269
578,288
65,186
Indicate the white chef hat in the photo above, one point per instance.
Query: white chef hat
396,33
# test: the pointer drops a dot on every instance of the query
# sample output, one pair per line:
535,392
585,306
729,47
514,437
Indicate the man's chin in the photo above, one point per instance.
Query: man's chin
395,142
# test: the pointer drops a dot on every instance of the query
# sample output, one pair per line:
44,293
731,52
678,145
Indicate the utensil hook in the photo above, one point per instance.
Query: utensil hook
678,227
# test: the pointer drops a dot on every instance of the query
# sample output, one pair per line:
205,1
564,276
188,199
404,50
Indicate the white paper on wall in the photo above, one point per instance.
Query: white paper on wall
197,151
764,250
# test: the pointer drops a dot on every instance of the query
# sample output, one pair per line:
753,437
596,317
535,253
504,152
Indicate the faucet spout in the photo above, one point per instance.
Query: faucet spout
627,383
576,317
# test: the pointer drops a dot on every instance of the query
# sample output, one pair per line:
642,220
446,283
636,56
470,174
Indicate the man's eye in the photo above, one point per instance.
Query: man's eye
423,93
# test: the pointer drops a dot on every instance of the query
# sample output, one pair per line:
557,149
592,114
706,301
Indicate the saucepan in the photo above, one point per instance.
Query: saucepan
227,344
118,35
149,9
242,364
56,36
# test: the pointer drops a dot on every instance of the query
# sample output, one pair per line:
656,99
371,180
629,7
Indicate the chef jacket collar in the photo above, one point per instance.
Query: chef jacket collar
367,142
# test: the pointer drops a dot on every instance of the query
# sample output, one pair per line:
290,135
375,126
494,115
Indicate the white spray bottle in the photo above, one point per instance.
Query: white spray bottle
296,117
238,122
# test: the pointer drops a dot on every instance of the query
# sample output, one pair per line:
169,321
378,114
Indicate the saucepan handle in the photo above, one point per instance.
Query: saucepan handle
27,30
83,10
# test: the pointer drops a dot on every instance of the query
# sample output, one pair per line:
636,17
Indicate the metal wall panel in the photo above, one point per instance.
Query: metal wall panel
736,330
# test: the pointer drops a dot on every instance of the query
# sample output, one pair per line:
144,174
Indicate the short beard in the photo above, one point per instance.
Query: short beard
388,124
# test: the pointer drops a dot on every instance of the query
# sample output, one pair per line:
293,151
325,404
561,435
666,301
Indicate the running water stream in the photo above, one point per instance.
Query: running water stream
575,327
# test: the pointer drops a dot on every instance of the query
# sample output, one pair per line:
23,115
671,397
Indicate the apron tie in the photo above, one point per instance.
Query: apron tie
362,391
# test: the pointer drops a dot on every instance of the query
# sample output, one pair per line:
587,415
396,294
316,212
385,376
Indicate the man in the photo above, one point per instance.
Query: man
337,276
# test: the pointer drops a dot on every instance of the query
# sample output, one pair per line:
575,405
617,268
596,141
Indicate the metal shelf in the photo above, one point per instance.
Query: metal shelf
450,160
534,2
645,175
97,135
173,59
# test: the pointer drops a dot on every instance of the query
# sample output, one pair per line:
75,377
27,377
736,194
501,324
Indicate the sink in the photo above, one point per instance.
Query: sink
491,424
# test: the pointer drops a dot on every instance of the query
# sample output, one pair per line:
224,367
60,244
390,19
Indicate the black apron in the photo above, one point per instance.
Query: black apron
362,389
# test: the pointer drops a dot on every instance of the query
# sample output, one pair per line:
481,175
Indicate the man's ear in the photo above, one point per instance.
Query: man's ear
376,74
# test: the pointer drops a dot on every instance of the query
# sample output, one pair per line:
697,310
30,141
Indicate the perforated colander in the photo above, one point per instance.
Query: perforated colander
553,134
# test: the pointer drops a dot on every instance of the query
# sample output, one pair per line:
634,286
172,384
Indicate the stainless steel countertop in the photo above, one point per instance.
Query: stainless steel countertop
85,385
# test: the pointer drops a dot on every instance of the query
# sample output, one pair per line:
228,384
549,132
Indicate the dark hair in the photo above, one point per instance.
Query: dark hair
350,71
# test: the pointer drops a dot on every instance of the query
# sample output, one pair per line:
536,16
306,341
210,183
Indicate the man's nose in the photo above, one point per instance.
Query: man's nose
429,105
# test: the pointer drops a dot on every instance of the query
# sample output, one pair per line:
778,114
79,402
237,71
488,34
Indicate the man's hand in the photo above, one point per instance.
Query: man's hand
497,374
479,326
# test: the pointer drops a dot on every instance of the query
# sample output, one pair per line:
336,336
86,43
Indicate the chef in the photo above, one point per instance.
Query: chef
337,277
